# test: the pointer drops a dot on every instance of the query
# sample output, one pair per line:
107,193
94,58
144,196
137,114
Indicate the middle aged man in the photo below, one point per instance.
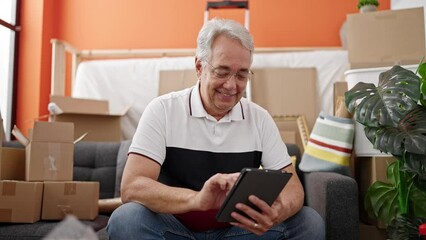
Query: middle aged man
190,146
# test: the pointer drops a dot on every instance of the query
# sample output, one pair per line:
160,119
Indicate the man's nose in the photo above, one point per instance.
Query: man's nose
231,83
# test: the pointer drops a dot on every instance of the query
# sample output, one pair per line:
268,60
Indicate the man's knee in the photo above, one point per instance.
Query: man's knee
313,221
124,217
125,212
311,215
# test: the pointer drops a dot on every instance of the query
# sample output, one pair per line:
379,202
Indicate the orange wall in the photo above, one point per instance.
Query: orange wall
29,63
102,24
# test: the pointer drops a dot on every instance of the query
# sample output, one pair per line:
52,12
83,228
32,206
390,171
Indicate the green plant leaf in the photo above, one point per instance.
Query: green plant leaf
397,94
418,201
420,183
392,173
415,163
422,71
423,93
381,201
409,135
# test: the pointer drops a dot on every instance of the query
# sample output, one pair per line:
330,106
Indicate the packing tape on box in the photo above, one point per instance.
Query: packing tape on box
54,109
51,163
70,189
9,189
5,215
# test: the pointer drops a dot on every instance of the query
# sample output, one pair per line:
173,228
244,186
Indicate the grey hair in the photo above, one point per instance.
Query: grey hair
216,27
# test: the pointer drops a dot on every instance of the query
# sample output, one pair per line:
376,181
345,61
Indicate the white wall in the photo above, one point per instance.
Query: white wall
401,4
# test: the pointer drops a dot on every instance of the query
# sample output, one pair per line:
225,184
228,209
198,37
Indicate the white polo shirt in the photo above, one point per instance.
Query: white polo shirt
191,145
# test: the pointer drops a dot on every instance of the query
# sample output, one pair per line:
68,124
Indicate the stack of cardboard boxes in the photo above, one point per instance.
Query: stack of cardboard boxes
376,40
41,186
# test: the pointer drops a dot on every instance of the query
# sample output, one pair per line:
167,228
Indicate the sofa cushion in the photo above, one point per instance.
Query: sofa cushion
97,161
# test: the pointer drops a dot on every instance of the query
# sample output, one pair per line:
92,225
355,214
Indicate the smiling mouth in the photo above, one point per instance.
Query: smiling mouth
227,94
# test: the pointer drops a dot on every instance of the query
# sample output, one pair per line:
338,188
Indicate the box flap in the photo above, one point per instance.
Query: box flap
61,104
94,125
20,136
80,138
120,113
53,132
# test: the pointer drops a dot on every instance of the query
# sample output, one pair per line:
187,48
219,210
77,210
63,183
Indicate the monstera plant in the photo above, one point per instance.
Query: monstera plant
394,118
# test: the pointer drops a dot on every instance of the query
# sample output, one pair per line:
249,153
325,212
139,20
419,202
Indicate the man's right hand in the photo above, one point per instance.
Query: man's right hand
214,191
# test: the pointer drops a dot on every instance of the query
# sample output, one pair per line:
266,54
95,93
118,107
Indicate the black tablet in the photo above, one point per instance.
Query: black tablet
265,184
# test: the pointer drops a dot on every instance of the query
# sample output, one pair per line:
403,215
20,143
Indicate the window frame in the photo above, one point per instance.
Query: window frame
16,28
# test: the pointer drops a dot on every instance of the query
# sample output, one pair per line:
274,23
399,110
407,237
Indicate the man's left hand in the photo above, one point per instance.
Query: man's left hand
256,222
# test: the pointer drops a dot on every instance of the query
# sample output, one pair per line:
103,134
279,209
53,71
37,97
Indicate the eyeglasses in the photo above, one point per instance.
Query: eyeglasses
223,73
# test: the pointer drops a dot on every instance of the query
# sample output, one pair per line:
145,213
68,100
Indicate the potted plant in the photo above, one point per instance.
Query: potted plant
367,5
394,118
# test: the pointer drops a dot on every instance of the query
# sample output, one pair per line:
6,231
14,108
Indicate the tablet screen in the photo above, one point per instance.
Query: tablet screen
265,184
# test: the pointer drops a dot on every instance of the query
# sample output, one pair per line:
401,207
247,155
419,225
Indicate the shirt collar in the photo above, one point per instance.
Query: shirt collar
197,109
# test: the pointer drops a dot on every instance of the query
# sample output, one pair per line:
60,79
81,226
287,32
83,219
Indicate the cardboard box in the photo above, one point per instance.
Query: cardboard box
368,171
12,160
175,80
80,106
89,116
49,151
77,198
386,38
286,92
12,164
20,202
287,136
293,130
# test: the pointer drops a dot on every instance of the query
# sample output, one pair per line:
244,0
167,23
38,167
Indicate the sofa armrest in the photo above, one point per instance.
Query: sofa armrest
335,198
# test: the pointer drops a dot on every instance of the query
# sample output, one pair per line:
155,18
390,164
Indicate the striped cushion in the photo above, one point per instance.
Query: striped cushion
330,145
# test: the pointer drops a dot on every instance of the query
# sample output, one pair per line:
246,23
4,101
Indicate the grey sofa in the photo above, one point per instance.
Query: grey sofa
333,196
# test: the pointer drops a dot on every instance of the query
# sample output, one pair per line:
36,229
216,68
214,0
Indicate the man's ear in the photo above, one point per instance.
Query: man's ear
198,67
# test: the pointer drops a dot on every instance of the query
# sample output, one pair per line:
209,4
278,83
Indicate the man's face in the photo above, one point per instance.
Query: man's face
220,94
